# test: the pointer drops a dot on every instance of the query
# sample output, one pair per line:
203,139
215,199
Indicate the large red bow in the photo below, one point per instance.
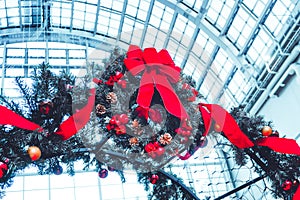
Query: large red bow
66,129
158,71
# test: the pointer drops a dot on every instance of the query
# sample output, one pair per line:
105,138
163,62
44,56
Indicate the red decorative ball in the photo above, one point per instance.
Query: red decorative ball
154,178
103,173
266,131
45,107
287,185
57,170
3,169
123,118
34,153
160,151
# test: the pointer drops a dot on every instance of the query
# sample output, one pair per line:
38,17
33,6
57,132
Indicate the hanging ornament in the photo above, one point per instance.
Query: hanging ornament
287,185
3,169
123,118
154,178
103,173
45,107
100,110
133,141
165,138
57,170
266,131
34,153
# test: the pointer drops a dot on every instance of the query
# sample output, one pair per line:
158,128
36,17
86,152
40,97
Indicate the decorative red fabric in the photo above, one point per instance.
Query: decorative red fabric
67,129
158,71
228,125
206,116
297,194
77,121
11,118
280,145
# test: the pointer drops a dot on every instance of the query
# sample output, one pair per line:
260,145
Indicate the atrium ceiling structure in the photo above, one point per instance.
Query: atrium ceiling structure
231,48
235,50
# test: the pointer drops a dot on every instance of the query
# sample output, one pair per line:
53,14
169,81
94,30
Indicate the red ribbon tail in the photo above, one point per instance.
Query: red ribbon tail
171,101
185,157
77,121
229,126
9,117
280,145
206,119
297,194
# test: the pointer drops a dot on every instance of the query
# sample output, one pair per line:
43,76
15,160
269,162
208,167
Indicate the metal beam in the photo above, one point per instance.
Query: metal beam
3,67
260,20
172,24
97,18
20,15
122,20
72,15
147,22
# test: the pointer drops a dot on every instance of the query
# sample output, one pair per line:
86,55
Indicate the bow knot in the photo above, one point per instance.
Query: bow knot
159,71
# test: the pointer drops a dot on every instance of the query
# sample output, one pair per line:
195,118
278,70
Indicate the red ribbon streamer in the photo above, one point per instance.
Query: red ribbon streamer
297,194
227,124
281,145
158,71
66,129
232,131
77,121
9,117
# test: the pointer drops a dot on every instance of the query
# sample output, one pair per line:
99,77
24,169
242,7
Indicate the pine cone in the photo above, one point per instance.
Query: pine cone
111,98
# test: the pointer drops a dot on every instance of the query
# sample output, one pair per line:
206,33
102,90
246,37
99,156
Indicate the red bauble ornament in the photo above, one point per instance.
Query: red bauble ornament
45,107
154,178
34,153
123,118
3,169
150,147
103,173
160,151
266,131
287,185
57,170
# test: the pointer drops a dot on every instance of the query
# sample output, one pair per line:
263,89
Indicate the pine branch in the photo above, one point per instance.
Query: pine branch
26,93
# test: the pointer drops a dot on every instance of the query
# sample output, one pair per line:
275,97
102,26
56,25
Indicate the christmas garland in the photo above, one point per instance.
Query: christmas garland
146,113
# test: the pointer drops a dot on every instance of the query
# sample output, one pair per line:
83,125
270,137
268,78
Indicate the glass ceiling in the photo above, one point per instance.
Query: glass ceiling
224,45
231,48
